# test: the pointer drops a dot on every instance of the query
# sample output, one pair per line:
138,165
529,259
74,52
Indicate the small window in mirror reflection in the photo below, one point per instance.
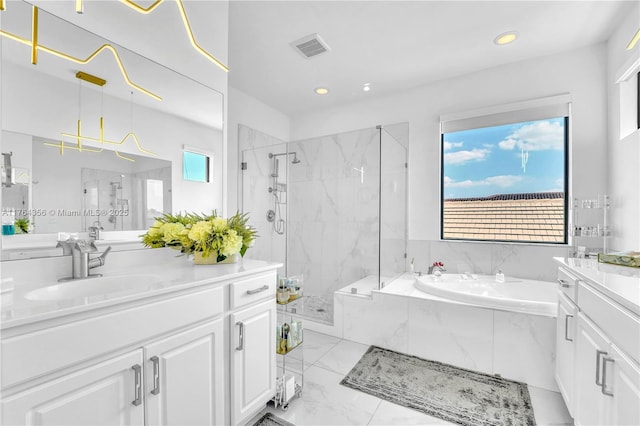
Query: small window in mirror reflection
196,167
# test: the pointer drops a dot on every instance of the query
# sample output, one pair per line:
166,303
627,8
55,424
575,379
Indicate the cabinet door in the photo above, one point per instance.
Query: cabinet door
565,349
591,347
625,387
253,362
107,393
184,377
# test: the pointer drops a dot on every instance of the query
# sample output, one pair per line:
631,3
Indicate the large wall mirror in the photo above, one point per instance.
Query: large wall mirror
78,153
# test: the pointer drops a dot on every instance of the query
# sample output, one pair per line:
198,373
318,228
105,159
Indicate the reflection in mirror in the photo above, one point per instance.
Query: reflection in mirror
78,189
46,105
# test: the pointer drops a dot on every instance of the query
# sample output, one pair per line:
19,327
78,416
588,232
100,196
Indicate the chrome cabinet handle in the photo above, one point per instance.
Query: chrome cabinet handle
137,392
563,283
156,375
598,355
604,375
241,345
566,328
258,290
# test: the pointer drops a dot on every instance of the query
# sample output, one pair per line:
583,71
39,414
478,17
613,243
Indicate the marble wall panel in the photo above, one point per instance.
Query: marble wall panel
454,334
524,348
380,320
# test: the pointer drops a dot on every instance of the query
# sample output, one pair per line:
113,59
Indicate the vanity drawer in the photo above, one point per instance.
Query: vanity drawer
251,290
568,284
34,354
620,325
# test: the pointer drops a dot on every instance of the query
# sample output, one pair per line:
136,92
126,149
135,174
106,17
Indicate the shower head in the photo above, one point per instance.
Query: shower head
295,156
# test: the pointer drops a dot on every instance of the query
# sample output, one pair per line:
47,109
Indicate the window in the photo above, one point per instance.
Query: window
196,166
505,180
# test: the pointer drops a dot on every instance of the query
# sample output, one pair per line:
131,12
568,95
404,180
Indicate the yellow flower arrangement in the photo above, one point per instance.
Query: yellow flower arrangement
210,235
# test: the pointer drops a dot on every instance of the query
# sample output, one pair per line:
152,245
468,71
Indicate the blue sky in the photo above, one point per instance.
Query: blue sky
489,161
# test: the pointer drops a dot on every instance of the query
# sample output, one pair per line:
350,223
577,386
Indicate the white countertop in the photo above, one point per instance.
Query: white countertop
162,270
620,283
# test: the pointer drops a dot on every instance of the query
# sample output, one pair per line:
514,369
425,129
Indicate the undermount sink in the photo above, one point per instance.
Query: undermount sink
90,287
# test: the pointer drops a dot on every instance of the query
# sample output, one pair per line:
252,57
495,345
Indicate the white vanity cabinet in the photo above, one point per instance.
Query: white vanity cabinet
102,394
591,347
565,349
598,348
253,352
162,359
625,379
184,378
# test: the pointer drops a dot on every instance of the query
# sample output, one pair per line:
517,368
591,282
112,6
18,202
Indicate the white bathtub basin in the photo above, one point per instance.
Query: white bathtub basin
109,286
519,295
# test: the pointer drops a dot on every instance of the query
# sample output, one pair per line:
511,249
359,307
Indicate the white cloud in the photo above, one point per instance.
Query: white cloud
461,157
503,181
539,136
448,145
507,144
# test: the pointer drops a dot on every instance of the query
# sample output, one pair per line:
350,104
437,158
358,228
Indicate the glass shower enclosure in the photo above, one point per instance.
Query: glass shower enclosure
332,209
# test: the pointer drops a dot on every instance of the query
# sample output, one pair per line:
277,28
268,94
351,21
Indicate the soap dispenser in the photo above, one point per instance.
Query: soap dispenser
499,276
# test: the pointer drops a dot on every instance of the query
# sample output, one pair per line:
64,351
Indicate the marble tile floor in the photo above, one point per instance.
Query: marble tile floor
325,402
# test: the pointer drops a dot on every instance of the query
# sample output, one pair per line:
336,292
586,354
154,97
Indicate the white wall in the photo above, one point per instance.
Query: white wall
582,73
246,110
624,153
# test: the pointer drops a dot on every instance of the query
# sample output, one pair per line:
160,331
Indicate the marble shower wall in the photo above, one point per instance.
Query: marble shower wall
333,210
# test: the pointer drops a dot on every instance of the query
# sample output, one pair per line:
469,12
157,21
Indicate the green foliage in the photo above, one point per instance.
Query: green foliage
206,233
22,226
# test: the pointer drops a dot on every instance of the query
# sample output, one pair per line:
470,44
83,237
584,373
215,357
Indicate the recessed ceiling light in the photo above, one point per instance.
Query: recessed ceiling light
506,38
321,90
366,87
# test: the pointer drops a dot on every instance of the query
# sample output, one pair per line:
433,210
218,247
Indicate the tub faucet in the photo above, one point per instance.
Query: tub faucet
81,262
437,266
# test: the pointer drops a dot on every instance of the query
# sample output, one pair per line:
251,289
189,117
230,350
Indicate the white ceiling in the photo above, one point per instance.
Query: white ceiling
395,45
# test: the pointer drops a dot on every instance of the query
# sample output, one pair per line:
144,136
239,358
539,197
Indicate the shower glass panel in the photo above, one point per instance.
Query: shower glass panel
333,212
264,196
393,208
331,208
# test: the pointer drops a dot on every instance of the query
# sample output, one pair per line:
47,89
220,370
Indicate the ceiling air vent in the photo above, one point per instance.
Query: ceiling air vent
311,45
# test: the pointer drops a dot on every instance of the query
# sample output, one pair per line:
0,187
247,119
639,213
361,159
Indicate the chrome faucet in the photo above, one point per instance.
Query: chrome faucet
94,231
81,262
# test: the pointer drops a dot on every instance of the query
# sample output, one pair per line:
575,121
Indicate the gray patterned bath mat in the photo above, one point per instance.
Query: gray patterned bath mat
441,390
271,420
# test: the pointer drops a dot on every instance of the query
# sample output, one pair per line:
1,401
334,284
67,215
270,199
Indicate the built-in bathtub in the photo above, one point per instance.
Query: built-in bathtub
469,321
514,294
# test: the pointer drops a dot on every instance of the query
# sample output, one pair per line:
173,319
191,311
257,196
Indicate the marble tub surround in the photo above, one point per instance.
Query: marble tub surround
529,261
163,270
405,319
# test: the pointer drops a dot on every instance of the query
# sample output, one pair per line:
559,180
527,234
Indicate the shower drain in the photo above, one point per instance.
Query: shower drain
320,310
